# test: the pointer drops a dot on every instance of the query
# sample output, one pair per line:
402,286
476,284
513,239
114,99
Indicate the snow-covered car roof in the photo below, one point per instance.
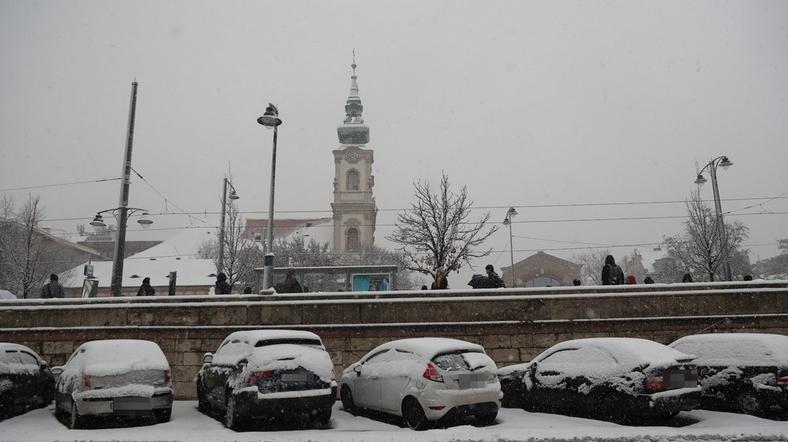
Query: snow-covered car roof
253,336
116,356
731,348
430,347
628,351
12,346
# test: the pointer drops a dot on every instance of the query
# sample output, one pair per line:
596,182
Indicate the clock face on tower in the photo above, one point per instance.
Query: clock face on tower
352,156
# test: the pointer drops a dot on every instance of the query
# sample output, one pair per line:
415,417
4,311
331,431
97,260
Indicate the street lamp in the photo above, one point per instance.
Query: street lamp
508,222
121,215
700,180
233,196
270,120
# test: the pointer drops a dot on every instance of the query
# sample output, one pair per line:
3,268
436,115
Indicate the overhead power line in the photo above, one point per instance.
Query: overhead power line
71,183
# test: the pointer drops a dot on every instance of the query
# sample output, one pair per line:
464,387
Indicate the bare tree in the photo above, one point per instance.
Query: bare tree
591,264
240,254
698,247
436,232
22,249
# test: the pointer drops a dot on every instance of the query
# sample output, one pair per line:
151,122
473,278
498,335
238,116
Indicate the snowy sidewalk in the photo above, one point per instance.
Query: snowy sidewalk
188,424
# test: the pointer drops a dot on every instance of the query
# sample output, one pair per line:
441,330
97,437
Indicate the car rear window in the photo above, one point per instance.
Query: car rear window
293,341
453,361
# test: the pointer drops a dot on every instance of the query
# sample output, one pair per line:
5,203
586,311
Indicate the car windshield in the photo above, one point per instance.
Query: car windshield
293,341
453,361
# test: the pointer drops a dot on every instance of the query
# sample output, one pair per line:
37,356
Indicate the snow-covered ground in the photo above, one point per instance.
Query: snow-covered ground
188,424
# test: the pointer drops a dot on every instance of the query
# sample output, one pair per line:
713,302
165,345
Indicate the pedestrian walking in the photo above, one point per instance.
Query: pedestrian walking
290,284
440,282
576,282
146,289
222,287
687,278
648,280
52,289
493,280
611,272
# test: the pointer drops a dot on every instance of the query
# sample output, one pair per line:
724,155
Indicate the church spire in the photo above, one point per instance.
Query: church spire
353,131
353,108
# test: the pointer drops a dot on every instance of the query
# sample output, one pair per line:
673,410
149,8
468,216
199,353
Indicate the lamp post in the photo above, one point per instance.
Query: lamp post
712,167
233,196
508,222
121,215
270,120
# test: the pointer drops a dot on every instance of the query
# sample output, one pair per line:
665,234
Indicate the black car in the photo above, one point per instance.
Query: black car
25,380
746,372
623,380
268,374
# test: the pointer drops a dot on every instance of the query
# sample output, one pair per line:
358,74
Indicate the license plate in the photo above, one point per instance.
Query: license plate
294,377
470,381
131,403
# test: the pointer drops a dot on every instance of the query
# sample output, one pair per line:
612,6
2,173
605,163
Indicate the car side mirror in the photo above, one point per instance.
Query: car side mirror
357,369
44,365
57,371
207,358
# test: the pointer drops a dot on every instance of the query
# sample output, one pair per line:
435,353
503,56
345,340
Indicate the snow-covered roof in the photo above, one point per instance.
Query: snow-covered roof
253,336
732,348
115,356
191,272
5,294
429,347
627,351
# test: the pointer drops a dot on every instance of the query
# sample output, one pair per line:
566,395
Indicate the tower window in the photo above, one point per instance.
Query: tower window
352,179
352,242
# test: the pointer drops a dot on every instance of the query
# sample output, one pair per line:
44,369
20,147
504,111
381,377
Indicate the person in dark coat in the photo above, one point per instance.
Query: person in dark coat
146,289
611,272
440,282
576,282
222,287
687,278
289,285
648,280
52,289
493,280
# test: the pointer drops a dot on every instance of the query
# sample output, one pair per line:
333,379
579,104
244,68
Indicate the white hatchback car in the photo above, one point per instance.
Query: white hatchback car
115,377
424,380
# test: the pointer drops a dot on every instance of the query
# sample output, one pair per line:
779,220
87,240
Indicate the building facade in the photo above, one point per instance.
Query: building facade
354,209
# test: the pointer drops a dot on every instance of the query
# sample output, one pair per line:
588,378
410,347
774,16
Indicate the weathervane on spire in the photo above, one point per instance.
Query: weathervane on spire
354,63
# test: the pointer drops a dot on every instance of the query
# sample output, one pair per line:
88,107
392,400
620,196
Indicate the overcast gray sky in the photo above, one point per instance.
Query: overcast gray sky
526,103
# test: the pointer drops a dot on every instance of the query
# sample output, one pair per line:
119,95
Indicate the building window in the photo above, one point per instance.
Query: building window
352,242
352,179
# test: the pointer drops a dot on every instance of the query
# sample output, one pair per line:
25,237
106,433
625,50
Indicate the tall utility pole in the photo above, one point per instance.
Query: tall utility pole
723,234
123,209
220,261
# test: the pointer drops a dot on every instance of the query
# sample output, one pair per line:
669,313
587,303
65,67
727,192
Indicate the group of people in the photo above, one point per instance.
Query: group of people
613,275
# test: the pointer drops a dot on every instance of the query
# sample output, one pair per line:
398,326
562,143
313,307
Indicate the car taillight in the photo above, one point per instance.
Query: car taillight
166,376
432,373
654,383
253,377
782,380
86,380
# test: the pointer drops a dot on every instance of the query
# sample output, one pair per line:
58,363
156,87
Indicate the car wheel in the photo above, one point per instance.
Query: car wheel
75,421
748,402
162,415
414,415
346,397
231,418
324,416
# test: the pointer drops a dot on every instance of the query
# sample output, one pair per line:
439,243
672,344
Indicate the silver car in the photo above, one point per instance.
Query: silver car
118,377
424,380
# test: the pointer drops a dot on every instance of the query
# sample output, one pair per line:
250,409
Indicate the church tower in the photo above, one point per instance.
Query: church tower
354,206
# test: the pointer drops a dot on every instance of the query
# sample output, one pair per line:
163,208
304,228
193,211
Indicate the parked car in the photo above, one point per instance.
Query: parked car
747,372
25,379
616,379
424,380
115,377
267,374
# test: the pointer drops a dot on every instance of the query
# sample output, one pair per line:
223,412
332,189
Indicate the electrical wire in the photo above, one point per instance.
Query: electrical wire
71,183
